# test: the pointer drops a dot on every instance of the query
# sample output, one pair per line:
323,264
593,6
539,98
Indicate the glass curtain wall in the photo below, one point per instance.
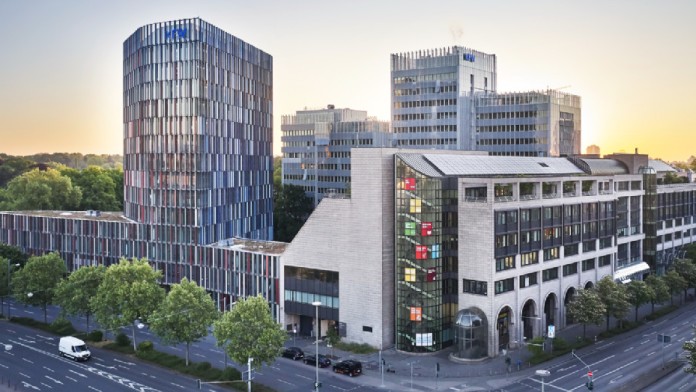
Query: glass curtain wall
419,301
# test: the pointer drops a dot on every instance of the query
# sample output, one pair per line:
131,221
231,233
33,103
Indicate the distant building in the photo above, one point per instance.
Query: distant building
592,149
447,99
317,144
198,169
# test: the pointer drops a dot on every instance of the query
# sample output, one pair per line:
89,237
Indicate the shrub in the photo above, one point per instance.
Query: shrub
559,344
230,374
122,339
203,366
62,327
145,346
95,336
356,348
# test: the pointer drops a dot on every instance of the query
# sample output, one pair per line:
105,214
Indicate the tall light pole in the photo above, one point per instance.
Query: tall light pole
9,312
316,305
543,373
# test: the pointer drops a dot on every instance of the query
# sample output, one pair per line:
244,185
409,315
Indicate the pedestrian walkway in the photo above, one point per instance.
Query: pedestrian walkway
418,372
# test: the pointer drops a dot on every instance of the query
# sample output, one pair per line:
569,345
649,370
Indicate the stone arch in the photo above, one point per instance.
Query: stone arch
589,285
550,309
503,325
569,295
530,319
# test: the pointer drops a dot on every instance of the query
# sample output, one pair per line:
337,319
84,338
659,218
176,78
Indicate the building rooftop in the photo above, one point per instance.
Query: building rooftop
254,246
92,215
600,167
477,165
661,166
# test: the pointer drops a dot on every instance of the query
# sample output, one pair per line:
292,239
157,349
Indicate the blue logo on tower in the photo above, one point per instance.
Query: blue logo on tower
176,32
469,57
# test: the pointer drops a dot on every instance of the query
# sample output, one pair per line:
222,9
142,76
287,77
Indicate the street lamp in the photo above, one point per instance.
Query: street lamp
8,288
543,373
7,347
316,305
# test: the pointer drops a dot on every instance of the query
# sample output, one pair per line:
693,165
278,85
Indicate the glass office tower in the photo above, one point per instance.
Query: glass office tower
198,162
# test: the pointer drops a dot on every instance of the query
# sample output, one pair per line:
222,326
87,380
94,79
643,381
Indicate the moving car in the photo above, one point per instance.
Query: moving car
293,353
323,360
74,348
349,367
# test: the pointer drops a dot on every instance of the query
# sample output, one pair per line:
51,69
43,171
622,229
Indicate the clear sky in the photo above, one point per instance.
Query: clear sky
632,62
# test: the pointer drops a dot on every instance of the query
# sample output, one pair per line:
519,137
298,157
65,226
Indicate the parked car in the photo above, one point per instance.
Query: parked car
293,353
349,367
323,360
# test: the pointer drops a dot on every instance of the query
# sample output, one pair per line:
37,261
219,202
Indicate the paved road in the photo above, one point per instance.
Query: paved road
677,381
34,364
619,362
283,375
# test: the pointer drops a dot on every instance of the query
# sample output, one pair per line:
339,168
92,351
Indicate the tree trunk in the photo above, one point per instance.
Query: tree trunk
637,313
607,322
87,322
45,306
134,346
653,307
584,328
187,353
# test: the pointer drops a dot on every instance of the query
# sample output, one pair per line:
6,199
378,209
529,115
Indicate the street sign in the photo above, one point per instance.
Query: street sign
589,374
551,333
663,338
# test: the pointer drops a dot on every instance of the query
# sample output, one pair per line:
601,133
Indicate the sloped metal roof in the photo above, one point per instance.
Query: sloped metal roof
660,166
601,167
479,165
418,162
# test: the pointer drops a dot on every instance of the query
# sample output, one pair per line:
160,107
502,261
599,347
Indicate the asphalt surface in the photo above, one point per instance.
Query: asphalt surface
617,364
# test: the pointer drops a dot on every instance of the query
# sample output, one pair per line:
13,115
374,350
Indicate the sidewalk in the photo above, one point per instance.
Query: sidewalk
485,375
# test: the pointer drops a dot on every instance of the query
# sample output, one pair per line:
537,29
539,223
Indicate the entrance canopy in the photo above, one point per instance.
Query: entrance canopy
626,272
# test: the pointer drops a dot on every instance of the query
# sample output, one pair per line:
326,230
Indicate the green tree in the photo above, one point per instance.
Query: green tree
658,290
129,291
74,293
185,315
36,282
690,252
638,293
614,298
291,209
11,167
9,257
586,308
43,190
687,269
672,178
249,331
675,282
277,173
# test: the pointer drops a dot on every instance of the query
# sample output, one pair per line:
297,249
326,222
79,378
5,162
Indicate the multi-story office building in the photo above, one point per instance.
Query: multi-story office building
317,143
198,168
447,99
198,156
478,252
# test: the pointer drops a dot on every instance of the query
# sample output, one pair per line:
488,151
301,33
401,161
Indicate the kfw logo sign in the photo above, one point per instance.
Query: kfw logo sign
469,57
175,33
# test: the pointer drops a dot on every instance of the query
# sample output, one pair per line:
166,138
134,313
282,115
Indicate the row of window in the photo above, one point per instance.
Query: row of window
431,102
506,115
512,141
426,129
531,279
426,142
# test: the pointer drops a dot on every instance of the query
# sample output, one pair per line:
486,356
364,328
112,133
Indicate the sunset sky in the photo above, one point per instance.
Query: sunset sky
632,62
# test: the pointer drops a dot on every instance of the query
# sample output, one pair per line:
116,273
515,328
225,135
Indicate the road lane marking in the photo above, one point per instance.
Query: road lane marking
629,349
305,377
26,360
46,385
548,385
651,353
4,366
681,339
200,355
49,369
54,380
289,383
94,389
70,378
25,375
177,385
604,346
79,374
616,370
645,341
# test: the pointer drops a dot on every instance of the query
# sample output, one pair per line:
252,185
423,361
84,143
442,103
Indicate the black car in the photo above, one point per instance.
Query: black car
349,367
323,361
293,353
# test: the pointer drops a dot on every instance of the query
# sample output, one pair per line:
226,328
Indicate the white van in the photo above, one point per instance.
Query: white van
74,348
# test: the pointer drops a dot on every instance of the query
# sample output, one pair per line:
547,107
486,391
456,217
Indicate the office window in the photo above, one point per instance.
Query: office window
549,274
570,269
605,260
505,285
410,228
605,242
588,264
570,250
551,254
474,287
589,246
504,263
528,280
410,274
529,258
367,329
